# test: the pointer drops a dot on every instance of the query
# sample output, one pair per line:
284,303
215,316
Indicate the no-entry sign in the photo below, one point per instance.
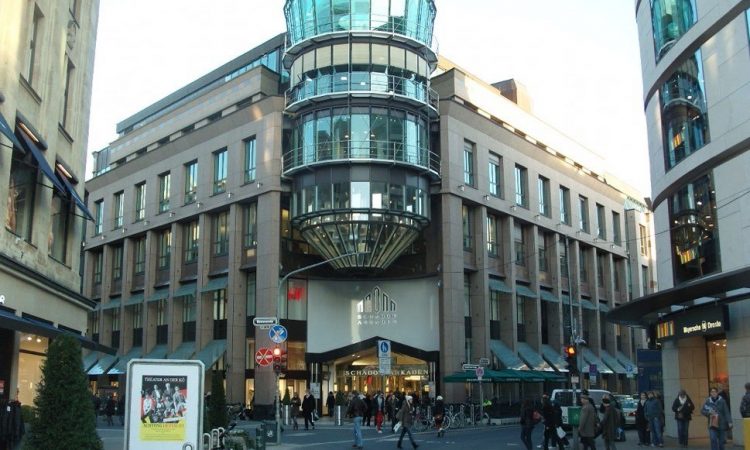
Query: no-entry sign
264,356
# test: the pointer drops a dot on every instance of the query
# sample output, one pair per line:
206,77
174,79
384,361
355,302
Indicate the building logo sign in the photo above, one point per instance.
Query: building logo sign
400,370
704,321
377,308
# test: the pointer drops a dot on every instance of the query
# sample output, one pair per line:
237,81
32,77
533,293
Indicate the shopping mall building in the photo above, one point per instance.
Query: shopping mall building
346,179
696,60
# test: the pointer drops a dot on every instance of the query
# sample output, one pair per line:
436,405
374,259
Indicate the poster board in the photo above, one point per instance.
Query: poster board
164,404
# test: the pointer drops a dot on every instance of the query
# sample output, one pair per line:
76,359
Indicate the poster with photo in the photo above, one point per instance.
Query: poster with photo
164,406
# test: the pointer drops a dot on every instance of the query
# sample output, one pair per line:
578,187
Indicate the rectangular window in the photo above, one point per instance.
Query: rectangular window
33,45
250,160
468,227
165,181
467,295
616,230
98,266
251,226
616,275
59,223
165,249
520,319
600,268
137,316
492,248
495,175
583,213
220,171
220,314
522,186
117,262
251,295
544,206
118,210
519,243
67,93
601,222
115,318
564,205
192,235
494,315
643,236
563,260
188,319
161,312
583,265
21,195
542,252
139,260
221,233
98,217
469,148
645,279
191,182
140,201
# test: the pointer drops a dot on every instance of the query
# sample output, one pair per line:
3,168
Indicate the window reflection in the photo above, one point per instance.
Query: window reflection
670,20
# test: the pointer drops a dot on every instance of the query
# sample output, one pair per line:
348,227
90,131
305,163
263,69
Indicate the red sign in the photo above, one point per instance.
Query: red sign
264,356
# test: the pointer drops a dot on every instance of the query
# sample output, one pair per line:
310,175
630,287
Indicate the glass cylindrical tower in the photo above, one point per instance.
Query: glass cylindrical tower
360,98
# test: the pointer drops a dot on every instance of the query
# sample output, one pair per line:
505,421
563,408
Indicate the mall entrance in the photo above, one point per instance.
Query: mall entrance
361,372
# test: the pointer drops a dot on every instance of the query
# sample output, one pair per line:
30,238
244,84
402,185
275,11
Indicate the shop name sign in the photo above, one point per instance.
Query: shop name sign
377,307
703,327
702,321
395,371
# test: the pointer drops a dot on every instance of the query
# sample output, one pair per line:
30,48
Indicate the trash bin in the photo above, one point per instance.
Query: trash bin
270,430
260,437
573,415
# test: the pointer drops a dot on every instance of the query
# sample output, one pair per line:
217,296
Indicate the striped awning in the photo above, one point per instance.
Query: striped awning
507,357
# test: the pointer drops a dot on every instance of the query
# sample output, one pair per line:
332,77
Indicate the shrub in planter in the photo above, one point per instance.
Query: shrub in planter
287,400
216,415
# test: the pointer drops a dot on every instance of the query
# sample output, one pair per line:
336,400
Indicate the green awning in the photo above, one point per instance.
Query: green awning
90,359
531,357
212,352
490,376
103,365
185,290
158,352
612,363
122,365
524,291
603,307
549,375
555,358
159,294
214,284
111,304
587,304
499,286
134,299
566,300
591,359
507,357
184,351
548,296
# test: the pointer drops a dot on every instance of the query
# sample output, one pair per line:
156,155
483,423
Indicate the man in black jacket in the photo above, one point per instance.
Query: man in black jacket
357,408
308,405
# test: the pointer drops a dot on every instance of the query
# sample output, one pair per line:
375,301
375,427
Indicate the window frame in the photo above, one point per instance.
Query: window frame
565,215
469,159
118,210
251,157
521,175
140,201
165,185
190,190
583,214
220,158
543,184
495,175
192,239
601,222
220,226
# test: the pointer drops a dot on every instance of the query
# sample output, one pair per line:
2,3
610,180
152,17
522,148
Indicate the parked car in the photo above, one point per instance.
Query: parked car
629,405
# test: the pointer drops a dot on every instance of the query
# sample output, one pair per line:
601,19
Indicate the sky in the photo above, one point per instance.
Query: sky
579,60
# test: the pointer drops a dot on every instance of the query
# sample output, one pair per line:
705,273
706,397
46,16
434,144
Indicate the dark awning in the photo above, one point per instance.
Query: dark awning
30,146
531,357
158,352
548,296
159,294
184,351
75,197
8,132
103,365
587,304
524,291
185,290
212,352
135,299
214,284
507,357
592,360
499,286
555,358
122,365
645,310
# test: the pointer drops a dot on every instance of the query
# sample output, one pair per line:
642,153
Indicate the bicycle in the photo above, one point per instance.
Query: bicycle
454,420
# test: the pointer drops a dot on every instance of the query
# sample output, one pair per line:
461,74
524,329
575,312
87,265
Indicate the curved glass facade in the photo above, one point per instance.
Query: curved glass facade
365,133
309,18
670,20
684,112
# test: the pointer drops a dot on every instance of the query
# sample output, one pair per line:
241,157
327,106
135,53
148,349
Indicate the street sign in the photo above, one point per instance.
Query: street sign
278,334
480,372
484,362
629,370
384,366
264,356
384,349
470,366
574,379
593,370
262,321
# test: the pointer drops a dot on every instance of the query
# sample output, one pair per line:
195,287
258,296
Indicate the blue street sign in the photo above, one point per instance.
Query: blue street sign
384,349
278,334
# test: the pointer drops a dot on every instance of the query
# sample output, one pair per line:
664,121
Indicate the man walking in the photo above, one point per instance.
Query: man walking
406,420
308,405
357,410
653,412
587,424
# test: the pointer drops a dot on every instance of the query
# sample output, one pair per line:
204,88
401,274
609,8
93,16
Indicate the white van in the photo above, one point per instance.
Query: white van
564,397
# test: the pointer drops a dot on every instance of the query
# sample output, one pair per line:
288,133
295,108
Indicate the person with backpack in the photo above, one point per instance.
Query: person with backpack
683,408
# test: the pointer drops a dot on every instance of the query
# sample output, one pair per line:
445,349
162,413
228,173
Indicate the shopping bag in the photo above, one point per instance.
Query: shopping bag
397,427
714,421
560,433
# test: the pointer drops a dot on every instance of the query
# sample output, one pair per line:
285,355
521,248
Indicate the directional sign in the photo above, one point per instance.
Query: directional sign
480,372
470,366
384,366
384,349
261,321
484,362
278,334
264,356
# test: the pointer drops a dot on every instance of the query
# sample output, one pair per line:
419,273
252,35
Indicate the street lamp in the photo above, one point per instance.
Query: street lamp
278,300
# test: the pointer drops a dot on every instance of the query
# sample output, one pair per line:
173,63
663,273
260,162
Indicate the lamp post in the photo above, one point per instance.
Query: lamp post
278,310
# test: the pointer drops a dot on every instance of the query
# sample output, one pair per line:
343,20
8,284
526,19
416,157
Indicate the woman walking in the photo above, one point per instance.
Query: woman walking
405,418
641,424
719,419
527,423
683,408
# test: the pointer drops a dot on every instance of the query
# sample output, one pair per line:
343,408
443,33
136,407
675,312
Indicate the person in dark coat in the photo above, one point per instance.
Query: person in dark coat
653,411
368,411
330,403
121,409
716,410
641,424
587,423
296,403
683,408
308,405
527,423
109,409
610,423
404,416
549,414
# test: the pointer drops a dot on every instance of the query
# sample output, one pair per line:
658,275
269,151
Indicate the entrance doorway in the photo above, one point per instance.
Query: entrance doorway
360,371
718,370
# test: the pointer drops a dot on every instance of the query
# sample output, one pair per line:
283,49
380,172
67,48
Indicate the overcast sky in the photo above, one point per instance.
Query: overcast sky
579,60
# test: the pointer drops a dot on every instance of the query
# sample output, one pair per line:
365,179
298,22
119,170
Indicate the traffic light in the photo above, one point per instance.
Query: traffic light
571,357
277,360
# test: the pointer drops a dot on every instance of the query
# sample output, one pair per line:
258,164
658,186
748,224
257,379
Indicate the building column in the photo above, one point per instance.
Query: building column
236,310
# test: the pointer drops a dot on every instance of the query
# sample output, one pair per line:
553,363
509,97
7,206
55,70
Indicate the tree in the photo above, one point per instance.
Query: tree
287,400
65,416
217,404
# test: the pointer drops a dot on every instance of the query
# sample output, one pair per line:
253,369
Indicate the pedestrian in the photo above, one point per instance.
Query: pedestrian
330,403
296,403
109,409
549,414
588,422
438,414
121,409
719,418
683,408
653,411
405,418
745,403
308,406
368,411
97,407
379,402
610,423
641,424
527,423
357,409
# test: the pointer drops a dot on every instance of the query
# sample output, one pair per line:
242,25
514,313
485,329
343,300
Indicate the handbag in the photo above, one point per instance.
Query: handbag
560,433
397,427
